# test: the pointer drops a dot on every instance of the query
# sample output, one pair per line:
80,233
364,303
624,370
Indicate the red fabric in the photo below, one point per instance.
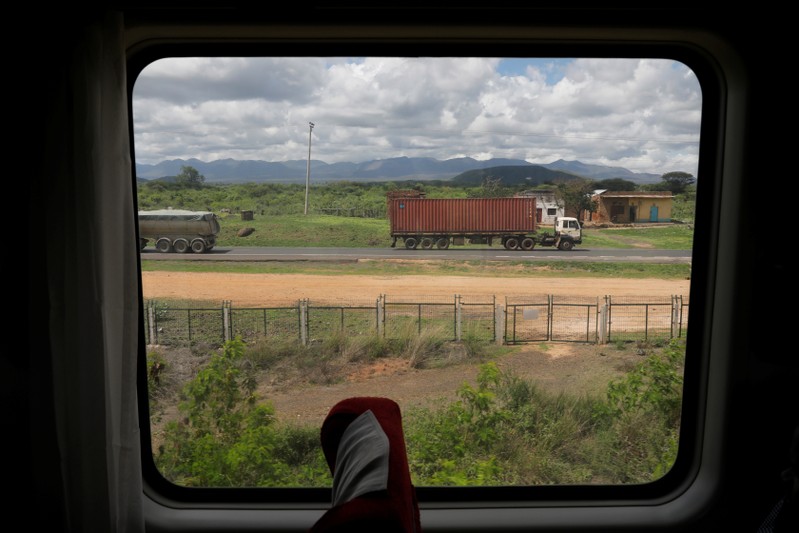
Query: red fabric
393,510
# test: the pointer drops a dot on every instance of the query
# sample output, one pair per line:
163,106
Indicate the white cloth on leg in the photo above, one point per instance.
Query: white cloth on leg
361,459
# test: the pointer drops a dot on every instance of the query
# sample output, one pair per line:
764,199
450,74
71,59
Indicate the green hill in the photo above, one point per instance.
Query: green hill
514,175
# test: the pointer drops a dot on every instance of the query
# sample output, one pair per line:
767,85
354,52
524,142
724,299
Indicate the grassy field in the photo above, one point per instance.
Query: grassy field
352,232
539,269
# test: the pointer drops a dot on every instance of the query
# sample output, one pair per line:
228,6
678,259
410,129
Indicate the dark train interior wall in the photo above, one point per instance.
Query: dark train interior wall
764,389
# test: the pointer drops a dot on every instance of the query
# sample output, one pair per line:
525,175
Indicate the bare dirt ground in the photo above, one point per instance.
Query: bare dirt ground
260,289
558,367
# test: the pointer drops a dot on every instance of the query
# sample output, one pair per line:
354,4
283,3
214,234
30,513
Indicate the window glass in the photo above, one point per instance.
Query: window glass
328,227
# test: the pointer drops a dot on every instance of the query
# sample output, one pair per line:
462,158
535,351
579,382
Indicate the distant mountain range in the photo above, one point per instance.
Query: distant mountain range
463,169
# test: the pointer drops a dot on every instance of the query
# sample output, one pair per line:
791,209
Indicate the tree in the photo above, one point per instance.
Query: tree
490,188
616,184
575,196
677,182
190,176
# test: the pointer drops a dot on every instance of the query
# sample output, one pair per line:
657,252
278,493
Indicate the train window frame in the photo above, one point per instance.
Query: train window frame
714,65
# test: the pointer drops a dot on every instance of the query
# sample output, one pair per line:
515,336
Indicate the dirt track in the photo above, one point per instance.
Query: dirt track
259,289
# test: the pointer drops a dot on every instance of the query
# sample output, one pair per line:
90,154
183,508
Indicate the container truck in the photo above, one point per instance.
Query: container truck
440,222
174,230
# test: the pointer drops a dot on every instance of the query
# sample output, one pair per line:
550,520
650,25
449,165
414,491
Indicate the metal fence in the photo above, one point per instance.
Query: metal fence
597,320
523,319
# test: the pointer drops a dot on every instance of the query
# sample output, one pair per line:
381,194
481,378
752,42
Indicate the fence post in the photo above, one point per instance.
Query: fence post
499,324
675,314
458,318
188,322
603,322
226,327
304,322
513,328
494,319
380,314
153,326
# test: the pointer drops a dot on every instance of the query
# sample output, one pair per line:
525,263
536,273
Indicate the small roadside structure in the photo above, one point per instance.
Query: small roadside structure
631,207
547,207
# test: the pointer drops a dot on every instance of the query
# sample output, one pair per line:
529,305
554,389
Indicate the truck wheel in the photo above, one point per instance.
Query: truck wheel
163,246
142,244
566,245
181,246
528,243
197,246
426,243
442,243
512,243
411,243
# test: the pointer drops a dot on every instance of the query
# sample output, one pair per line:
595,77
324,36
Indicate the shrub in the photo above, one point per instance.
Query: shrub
226,438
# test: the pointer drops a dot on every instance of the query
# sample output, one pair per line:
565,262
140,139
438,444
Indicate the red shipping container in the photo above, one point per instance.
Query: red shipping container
462,216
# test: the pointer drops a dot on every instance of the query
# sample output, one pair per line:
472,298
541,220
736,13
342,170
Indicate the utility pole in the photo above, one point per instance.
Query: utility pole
308,170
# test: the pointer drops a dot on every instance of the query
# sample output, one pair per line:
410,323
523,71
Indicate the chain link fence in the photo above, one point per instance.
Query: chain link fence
522,319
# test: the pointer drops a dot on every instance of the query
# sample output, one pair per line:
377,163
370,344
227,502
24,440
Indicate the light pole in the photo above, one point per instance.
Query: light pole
308,170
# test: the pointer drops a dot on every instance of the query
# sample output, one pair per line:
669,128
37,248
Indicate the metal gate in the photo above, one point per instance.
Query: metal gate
543,318
574,320
527,319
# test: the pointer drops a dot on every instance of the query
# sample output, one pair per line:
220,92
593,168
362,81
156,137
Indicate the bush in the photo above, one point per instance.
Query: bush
227,439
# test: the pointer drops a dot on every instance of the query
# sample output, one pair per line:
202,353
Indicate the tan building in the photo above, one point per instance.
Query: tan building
626,207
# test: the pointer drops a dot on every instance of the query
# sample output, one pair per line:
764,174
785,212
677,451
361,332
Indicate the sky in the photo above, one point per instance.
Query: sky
640,114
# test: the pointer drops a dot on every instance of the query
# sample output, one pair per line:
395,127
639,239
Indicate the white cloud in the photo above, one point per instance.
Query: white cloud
643,115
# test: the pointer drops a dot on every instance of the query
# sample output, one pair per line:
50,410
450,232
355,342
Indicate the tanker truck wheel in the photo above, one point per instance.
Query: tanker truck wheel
163,246
426,243
411,243
442,243
181,246
512,243
197,246
528,244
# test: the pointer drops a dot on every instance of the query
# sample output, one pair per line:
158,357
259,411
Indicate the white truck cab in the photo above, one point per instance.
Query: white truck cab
569,226
567,233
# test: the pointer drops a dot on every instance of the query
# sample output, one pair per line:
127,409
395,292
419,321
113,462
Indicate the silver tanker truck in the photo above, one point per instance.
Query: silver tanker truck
178,230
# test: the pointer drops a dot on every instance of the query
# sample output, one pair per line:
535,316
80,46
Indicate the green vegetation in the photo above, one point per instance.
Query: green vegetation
346,214
226,436
672,237
501,431
684,206
507,431
539,269
156,366
189,177
300,230
227,439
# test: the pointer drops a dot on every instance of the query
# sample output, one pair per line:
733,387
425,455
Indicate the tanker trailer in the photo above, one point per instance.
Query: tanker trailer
178,230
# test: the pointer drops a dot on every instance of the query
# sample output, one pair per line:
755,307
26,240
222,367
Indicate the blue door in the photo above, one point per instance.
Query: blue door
653,213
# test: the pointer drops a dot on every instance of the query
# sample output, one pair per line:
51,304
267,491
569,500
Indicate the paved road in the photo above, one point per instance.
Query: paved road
490,254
